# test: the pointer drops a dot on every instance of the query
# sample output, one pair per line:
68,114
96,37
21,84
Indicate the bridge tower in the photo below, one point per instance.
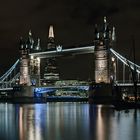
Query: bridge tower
34,62
29,66
51,70
35,66
103,65
24,64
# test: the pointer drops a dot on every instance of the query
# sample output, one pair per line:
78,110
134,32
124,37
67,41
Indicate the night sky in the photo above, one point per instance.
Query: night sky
73,23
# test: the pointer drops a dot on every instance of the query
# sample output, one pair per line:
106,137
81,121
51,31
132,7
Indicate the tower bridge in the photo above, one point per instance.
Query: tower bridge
26,70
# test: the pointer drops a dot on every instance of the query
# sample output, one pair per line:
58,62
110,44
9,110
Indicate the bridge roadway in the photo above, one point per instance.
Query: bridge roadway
6,89
49,88
126,84
62,52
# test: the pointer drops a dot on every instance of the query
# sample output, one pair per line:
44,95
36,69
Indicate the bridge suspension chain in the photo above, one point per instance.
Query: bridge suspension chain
7,73
126,61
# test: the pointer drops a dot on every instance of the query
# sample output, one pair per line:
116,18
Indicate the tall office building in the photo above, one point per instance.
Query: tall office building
51,73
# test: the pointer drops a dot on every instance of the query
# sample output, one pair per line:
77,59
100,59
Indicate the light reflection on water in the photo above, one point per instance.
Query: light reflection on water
67,121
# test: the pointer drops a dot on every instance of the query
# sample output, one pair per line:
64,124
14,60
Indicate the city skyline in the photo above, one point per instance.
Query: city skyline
73,25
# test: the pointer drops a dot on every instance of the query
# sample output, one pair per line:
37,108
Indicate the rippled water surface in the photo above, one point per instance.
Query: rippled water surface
67,121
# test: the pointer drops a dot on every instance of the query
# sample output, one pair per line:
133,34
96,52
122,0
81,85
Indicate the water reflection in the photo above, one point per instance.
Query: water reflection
67,121
8,121
100,122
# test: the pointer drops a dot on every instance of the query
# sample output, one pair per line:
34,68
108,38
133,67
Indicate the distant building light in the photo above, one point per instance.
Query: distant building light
101,43
37,48
38,59
98,35
113,59
32,57
59,48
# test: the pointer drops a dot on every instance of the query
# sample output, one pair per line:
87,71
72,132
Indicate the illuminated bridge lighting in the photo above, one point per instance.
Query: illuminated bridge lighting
56,53
53,89
7,73
126,84
86,88
126,61
44,90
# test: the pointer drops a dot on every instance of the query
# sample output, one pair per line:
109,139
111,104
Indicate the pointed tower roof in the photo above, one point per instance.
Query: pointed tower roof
113,34
30,40
105,19
105,23
105,29
21,43
30,33
96,32
38,44
96,28
51,32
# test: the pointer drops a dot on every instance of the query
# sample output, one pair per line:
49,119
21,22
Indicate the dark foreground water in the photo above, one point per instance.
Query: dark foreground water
67,121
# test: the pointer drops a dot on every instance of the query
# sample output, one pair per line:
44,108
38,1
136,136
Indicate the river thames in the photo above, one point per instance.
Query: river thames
67,121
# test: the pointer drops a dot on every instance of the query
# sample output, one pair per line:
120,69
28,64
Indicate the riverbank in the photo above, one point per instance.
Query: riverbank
31,100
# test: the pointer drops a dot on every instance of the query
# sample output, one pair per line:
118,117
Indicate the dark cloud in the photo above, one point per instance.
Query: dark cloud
90,10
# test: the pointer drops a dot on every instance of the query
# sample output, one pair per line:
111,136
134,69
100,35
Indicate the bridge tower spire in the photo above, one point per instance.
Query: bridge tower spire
96,32
30,41
38,48
113,34
113,37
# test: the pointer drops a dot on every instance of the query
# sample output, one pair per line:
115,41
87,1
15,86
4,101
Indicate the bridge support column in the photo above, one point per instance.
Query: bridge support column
130,76
114,69
117,71
102,44
105,69
138,77
123,73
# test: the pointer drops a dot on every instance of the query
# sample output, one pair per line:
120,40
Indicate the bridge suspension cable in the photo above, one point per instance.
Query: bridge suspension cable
7,73
126,61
